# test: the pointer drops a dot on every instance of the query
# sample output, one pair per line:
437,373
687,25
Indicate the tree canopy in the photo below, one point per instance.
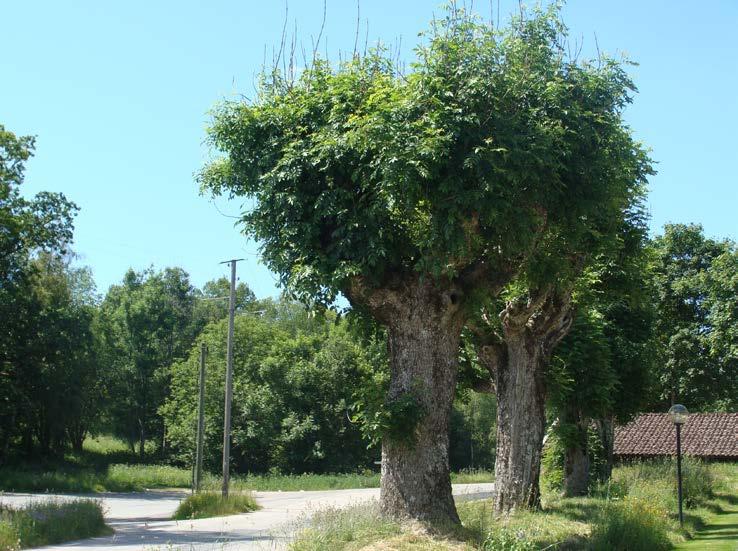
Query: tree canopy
695,336
360,169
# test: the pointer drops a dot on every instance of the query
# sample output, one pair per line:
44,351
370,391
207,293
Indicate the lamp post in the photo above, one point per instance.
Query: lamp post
678,414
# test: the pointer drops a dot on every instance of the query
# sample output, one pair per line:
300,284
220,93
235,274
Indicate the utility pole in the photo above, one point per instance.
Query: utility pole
229,380
200,419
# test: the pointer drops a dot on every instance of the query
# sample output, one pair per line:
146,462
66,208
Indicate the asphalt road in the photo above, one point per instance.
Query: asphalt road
140,519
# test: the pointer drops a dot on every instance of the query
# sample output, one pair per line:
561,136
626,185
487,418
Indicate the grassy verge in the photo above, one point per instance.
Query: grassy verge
636,511
342,481
717,529
49,523
213,504
106,464
114,478
131,478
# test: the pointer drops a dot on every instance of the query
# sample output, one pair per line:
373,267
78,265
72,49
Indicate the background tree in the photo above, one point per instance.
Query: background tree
146,324
27,227
722,302
294,384
414,193
212,301
694,339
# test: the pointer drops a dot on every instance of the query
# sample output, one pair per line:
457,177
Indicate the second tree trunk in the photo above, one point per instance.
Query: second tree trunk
521,424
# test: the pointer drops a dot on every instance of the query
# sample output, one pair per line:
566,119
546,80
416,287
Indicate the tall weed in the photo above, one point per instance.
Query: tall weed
634,524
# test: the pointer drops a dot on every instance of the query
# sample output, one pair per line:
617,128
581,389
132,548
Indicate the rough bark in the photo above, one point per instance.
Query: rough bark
520,424
424,322
576,462
516,361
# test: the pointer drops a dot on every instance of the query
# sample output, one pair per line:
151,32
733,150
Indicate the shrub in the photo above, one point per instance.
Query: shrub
213,504
633,524
552,465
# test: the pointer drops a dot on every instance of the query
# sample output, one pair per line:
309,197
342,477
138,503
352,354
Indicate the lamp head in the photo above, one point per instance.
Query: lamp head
678,414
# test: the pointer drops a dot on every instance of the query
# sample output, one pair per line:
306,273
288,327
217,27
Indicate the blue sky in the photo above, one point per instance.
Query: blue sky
118,95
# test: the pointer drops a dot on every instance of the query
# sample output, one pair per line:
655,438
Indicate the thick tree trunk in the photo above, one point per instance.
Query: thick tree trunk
576,462
424,321
521,424
423,350
516,361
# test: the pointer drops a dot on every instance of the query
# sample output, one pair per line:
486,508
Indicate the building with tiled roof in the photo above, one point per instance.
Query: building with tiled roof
705,435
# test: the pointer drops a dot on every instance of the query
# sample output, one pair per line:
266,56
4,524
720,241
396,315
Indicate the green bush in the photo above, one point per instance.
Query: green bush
50,522
213,504
552,465
633,524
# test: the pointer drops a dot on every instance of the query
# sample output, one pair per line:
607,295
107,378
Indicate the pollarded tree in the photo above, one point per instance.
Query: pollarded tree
415,194
517,345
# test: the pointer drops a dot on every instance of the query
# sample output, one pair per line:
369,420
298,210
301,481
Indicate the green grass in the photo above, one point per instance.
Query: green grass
717,526
213,504
636,512
107,464
115,478
50,522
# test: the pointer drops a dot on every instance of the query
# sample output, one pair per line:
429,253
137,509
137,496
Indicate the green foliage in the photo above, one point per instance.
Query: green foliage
601,370
294,381
395,418
696,339
212,301
472,432
630,521
145,325
346,528
48,394
114,478
213,504
552,464
359,170
50,522
507,540
29,225
45,339
721,281
582,375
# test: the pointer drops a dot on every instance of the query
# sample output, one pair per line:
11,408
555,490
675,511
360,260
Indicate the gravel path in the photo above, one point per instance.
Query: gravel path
139,519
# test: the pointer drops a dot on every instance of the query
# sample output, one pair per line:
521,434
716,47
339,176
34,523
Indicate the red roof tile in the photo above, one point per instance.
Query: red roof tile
713,435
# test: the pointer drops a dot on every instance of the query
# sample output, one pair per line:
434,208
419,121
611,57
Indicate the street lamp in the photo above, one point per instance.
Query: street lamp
679,414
